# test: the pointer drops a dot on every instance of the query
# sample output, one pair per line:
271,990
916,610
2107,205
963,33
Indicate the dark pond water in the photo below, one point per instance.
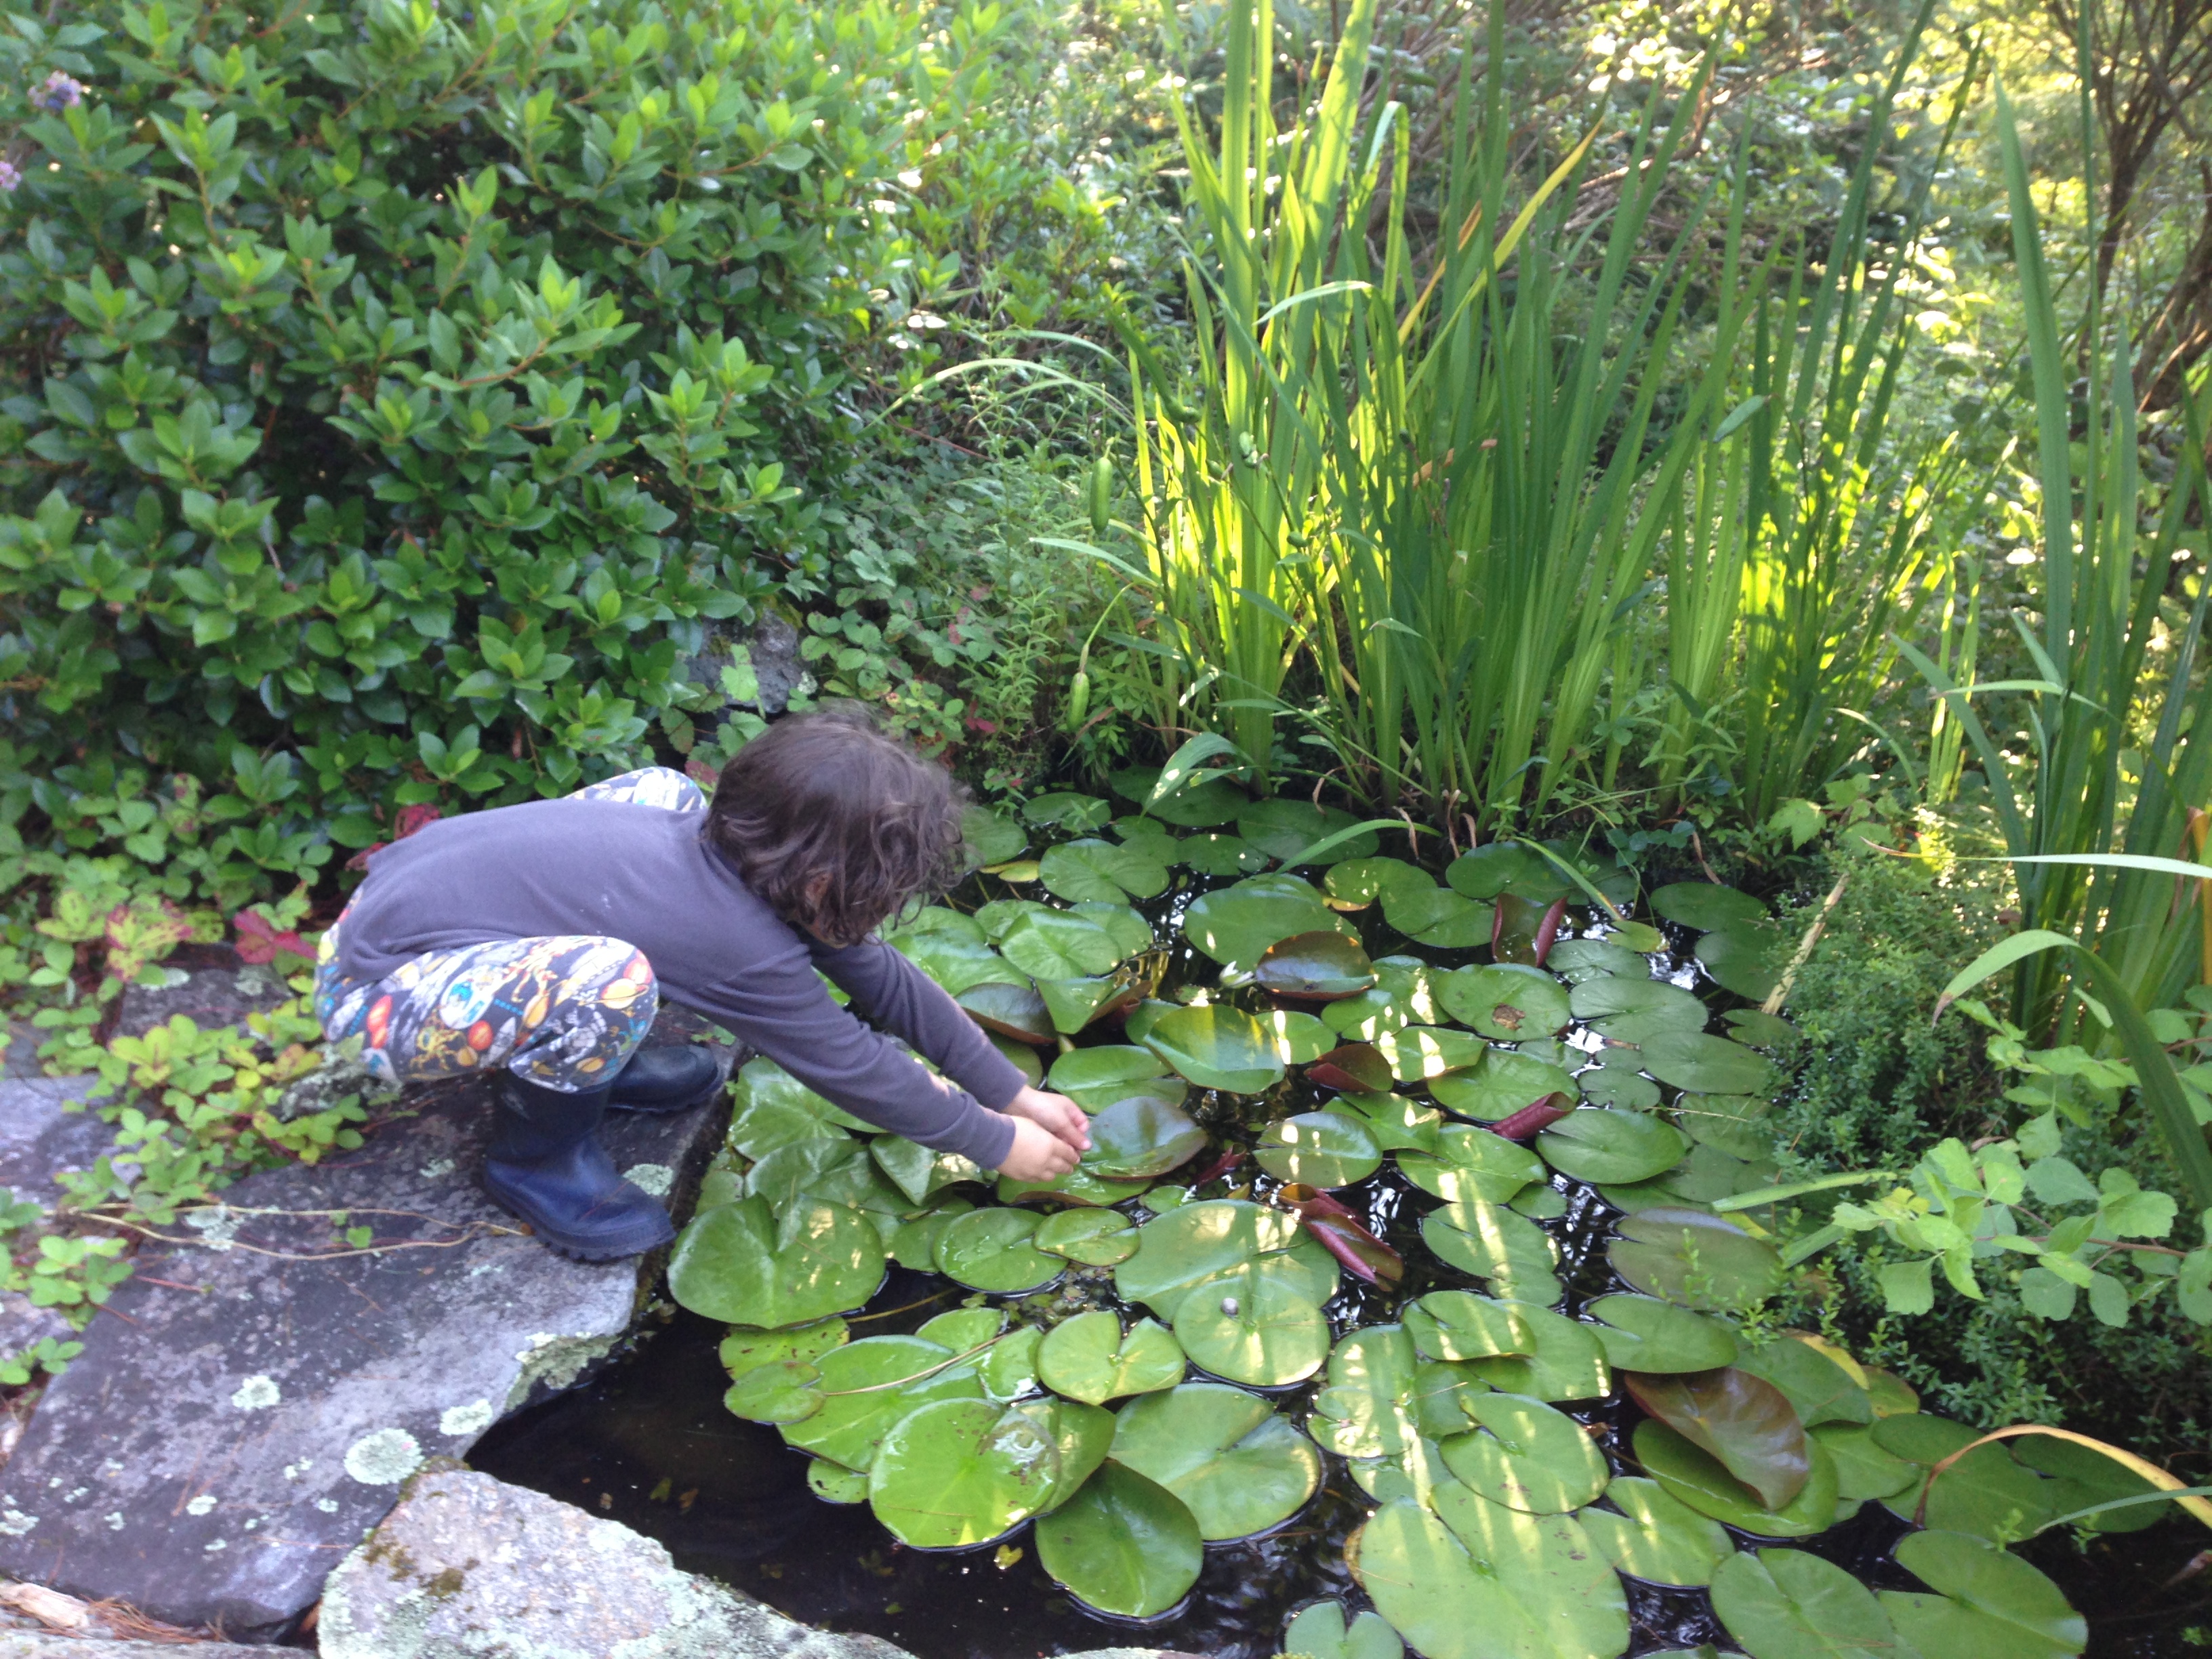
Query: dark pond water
649,1443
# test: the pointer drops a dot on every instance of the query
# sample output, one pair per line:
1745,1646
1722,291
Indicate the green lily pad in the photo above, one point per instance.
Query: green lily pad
1705,906
1367,1409
2083,1478
773,1109
1097,1238
823,1171
783,1391
1218,1046
1501,1086
1478,1580
742,1264
1362,881
1603,1002
1454,1325
1192,805
1471,1162
834,1483
1987,1602
1567,1365
1539,1203
1123,1544
1073,1004
1059,944
1297,1039
1139,1138
1493,1242
1597,1144
1131,934
1706,1064
916,1170
1818,1389
1505,1001
1526,1455
990,1250
1319,1148
1444,1392
1355,1068
1081,1434
990,838
869,1385
1222,855
1078,1185
1488,871
1394,1122
1101,871
1091,1358
1250,1326
963,1328
1656,1538
1705,1176
1615,1081
745,1350
1016,1011
1785,1604
1696,1259
1098,1071
1284,828
1744,1421
1438,916
1236,925
1068,810
1760,1029
1323,966
1198,1242
1735,1124
1022,1057
913,1246
1240,1466
1864,1469
1643,1333
958,963
1416,1052
961,1471
1363,1017
1987,1492
1745,957
1697,1478
1322,1631
1577,959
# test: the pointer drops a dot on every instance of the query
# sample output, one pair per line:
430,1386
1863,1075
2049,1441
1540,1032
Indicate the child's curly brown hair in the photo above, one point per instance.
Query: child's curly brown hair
838,826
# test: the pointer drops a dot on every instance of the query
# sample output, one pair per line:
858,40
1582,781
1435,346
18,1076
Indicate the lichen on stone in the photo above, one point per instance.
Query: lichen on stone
472,1419
15,1524
656,1179
384,1458
256,1394
203,1505
556,1361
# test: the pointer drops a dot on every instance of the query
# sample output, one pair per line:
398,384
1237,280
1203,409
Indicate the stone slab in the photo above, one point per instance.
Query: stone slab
209,997
229,1434
38,1645
39,1135
468,1567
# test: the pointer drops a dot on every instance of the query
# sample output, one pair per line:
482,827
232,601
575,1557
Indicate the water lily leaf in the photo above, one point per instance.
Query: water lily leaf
1123,1544
1297,1039
957,962
1577,959
1074,1003
823,1171
1078,1186
961,1471
1016,1011
743,1265
1367,1409
1615,1081
1362,881
1567,1365
1284,828
1444,1397
773,1109
1091,1358
1987,1602
1221,855
1760,1028
1743,1420
1218,1046
1367,1016
1539,1203
1735,1124
1819,1389
990,1249
1469,1163
1597,1144
1022,1057
1068,810
1705,1176
963,1328
1526,1455
1460,1325
1101,871
1318,1149
869,1385
1501,1086
1643,1333
1697,1478
1493,1242
1415,1474
1240,1466
1438,916
1236,925
1481,1581
1097,1072
834,1483
1488,871
1192,805
1193,1243
990,838
1709,1065
744,1349
913,1246
2082,1478
1864,1469
1394,1122
1059,944
1416,1052
1505,1001
1745,957
1098,1238
1355,1068
1139,1138
1605,1003
782,1391
1250,1326
1323,966
1705,906
1131,934
917,1170
1322,1631
1695,1259
1987,1492
1785,1604
1656,1538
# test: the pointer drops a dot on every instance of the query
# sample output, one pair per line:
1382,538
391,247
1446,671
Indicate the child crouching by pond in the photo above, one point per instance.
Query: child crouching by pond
538,939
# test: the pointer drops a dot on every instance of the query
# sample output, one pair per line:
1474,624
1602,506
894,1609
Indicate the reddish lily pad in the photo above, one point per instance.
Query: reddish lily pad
1322,966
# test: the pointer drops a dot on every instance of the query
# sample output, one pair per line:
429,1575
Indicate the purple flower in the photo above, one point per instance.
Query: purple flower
9,177
60,92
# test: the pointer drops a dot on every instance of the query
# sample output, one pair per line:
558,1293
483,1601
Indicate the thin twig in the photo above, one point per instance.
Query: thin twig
1781,991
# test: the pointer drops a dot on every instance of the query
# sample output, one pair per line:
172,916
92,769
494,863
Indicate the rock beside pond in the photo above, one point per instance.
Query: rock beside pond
250,1403
468,1567
210,996
40,1644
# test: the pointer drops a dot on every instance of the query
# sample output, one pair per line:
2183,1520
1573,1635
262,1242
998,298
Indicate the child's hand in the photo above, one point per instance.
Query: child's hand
1055,1113
1037,1153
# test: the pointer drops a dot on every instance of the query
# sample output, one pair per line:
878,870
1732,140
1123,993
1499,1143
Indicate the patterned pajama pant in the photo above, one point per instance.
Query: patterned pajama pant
565,1012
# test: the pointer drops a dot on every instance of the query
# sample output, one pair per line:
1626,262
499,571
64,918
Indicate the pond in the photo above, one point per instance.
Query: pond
1306,1339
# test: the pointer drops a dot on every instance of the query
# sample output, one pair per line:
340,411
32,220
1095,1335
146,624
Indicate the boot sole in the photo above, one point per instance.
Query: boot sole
574,1252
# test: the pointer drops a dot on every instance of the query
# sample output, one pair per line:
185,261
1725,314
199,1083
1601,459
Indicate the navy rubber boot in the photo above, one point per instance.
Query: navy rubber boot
671,1077
546,1166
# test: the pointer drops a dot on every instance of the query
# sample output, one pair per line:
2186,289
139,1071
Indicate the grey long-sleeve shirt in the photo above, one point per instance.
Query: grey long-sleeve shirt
647,876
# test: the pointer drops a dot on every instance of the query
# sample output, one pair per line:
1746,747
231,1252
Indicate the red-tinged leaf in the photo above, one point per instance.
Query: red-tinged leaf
1310,1201
259,939
1743,1420
1315,967
1515,930
1531,1120
412,818
1361,1253
1355,1068
701,774
359,861
1220,1167
1548,929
